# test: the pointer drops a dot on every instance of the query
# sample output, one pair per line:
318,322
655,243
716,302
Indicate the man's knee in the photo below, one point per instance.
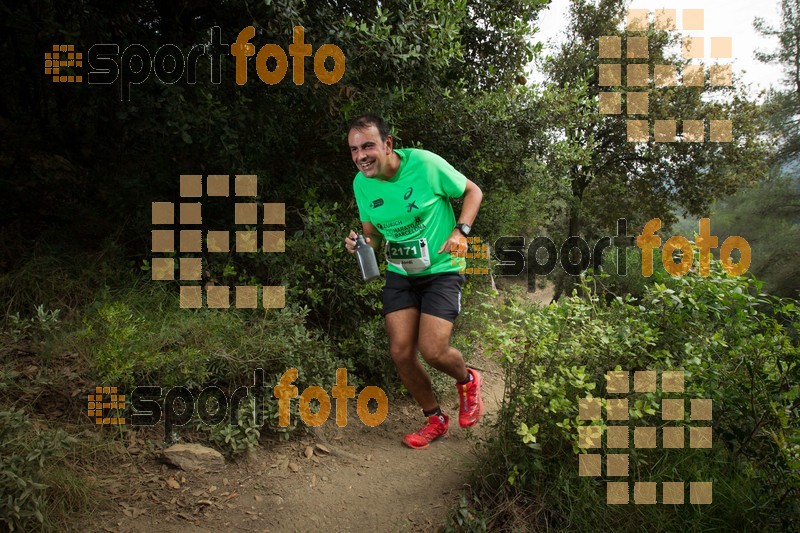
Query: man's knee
433,352
402,353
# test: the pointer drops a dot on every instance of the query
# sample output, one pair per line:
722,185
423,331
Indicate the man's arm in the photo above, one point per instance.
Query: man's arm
472,202
372,235
469,210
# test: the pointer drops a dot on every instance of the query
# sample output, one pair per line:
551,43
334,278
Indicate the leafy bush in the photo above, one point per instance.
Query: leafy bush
235,439
139,339
368,348
35,328
735,346
613,283
324,277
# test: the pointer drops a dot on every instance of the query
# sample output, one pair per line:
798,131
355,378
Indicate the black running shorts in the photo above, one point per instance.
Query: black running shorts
435,294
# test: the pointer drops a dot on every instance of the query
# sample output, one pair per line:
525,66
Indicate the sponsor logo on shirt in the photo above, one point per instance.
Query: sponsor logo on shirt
376,203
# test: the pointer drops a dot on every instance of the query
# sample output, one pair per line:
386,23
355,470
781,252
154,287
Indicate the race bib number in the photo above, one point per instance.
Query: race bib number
410,256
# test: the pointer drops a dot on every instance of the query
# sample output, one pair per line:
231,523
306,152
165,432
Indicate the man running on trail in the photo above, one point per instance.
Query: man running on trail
404,196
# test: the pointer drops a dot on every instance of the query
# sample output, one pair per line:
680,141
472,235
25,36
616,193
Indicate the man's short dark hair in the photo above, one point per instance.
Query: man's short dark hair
370,119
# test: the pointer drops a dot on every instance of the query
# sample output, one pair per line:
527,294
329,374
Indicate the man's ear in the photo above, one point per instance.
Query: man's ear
389,142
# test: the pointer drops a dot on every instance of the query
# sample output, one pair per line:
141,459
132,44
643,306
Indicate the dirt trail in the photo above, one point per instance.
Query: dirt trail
370,481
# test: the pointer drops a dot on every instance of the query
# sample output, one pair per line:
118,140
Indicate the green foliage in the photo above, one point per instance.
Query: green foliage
150,340
323,276
602,176
735,346
125,352
612,282
404,59
465,518
510,212
368,347
25,454
784,103
35,328
235,439
768,216
55,279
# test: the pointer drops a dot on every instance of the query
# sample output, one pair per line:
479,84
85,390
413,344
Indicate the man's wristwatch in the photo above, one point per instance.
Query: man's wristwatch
465,229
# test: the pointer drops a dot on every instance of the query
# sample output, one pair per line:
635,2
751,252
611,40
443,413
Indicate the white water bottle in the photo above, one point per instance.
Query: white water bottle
366,260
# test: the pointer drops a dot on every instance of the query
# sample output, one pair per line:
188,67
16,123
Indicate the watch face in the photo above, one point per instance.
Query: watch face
464,228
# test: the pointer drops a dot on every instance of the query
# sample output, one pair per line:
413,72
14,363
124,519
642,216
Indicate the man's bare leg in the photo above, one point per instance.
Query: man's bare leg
434,343
402,327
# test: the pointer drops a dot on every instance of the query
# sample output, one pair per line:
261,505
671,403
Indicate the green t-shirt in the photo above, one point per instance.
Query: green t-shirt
412,211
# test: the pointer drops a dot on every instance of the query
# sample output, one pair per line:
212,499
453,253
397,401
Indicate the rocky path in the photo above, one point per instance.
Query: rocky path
355,478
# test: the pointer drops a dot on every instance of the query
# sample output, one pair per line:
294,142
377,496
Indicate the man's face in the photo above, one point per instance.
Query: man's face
370,154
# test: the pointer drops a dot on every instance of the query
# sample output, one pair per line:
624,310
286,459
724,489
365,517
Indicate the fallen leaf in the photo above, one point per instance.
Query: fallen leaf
309,451
293,467
322,448
171,483
258,498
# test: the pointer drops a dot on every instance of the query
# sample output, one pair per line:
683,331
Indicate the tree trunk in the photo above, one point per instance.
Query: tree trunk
563,281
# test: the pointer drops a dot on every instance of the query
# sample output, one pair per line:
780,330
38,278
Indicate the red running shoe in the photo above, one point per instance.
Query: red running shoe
471,403
433,429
